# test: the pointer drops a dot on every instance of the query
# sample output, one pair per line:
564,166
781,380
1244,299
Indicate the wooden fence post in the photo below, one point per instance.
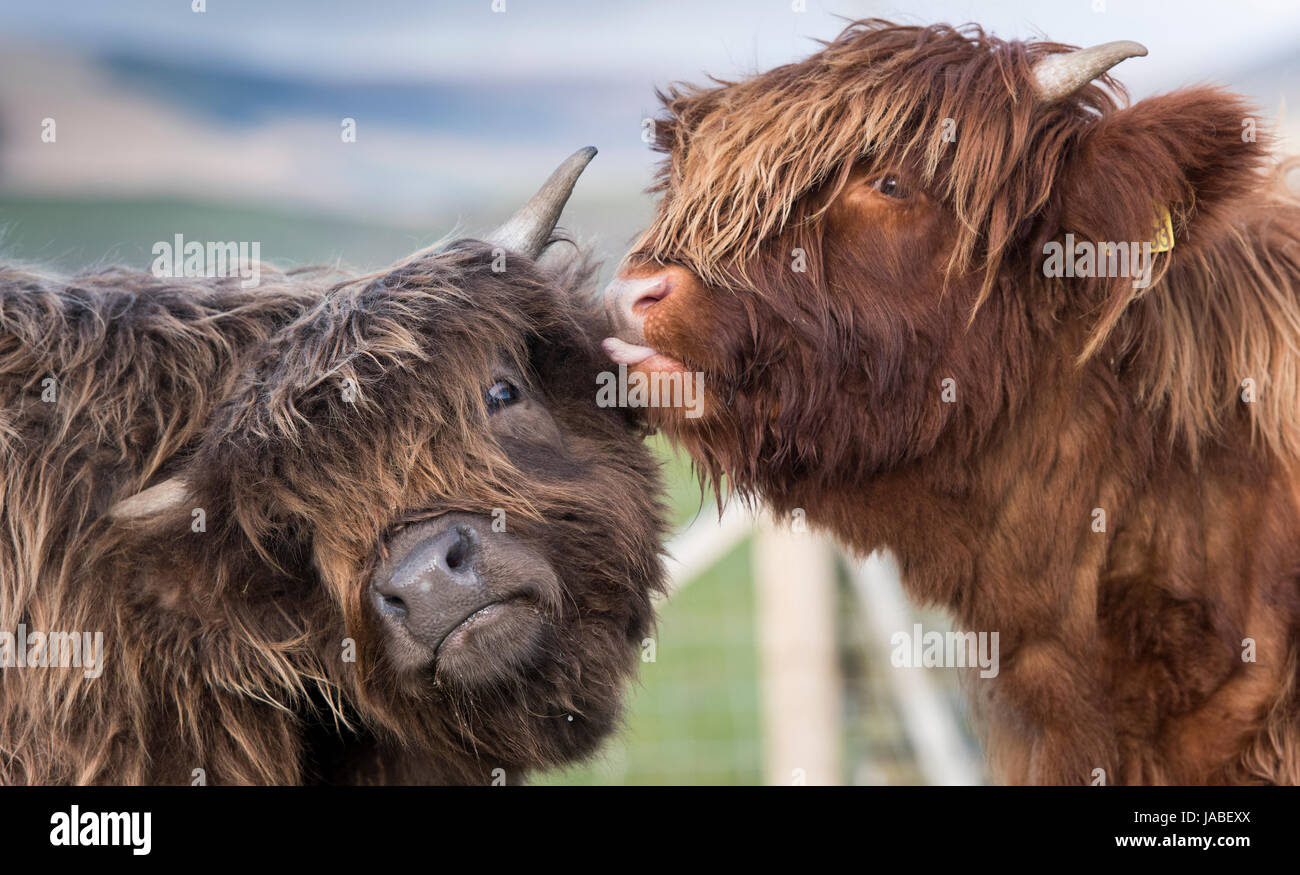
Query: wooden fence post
799,679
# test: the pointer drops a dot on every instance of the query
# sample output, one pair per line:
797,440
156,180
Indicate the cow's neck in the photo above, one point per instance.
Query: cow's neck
1047,537
1037,503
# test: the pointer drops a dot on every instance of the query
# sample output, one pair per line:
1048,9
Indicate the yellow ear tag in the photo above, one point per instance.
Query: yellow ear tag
1162,239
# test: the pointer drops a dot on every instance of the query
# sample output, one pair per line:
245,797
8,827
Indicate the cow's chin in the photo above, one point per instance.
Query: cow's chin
671,421
496,643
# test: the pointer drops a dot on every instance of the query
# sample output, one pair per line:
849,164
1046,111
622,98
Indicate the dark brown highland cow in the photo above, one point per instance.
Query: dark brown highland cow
242,489
854,252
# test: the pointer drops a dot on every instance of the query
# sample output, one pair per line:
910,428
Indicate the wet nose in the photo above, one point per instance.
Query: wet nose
432,589
629,299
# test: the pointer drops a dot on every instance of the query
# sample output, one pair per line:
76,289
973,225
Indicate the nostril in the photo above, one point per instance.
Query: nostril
393,605
459,551
652,294
429,579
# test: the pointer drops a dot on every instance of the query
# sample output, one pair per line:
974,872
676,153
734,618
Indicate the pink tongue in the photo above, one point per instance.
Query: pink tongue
623,353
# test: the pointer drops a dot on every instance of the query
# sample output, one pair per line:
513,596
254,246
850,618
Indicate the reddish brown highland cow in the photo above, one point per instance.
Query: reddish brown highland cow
861,253
332,529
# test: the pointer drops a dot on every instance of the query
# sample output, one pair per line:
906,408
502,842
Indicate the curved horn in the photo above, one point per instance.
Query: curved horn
1060,76
529,230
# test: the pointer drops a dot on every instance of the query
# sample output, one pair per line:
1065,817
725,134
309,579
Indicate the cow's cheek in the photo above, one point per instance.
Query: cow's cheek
889,258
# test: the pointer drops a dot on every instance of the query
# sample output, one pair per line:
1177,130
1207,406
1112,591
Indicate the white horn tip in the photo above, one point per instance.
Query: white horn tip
1129,48
1059,76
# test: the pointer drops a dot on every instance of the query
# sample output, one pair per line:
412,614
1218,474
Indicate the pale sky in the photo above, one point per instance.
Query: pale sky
652,41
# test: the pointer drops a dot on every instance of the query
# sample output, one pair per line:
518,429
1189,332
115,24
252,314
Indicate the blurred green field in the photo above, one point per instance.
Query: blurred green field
75,233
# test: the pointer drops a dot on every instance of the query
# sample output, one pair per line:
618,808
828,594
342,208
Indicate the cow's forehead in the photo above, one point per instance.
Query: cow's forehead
741,156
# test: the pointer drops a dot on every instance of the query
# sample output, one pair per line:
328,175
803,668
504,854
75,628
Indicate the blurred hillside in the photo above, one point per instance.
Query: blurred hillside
170,121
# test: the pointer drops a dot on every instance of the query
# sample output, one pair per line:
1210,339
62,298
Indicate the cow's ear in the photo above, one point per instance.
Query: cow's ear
159,502
1190,153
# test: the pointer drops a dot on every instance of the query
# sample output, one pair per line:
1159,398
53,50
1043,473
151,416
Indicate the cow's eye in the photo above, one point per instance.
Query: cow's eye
502,393
892,186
